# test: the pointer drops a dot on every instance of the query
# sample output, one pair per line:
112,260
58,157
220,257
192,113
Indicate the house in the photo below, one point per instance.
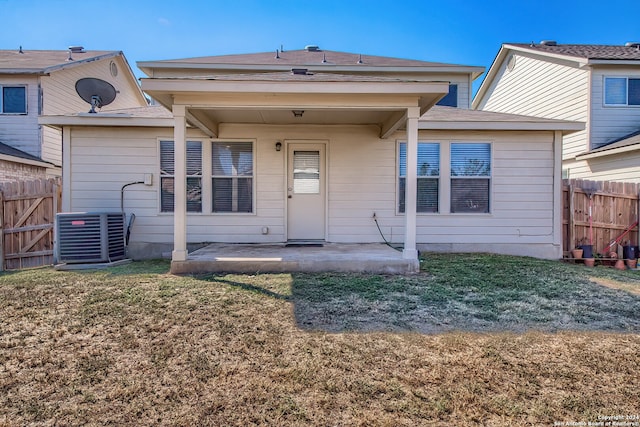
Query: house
35,82
320,146
598,85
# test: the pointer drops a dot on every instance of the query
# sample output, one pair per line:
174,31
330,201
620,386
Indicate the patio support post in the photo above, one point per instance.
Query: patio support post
180,184
411,185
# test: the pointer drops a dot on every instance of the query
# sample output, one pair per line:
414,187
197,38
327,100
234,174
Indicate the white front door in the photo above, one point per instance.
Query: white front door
306,186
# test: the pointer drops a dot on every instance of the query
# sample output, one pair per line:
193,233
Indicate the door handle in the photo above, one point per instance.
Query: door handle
289,196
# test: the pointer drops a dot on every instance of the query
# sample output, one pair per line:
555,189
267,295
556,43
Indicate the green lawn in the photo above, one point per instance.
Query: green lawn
472,340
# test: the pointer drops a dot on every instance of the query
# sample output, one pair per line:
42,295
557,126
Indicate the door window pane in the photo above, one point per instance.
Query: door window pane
306,172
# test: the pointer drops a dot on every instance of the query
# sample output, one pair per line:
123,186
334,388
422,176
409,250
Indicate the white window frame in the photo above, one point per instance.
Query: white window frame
418,177
604,91
26,98
211,176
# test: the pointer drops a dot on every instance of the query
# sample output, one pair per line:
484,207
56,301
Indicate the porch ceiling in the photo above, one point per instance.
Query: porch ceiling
210,103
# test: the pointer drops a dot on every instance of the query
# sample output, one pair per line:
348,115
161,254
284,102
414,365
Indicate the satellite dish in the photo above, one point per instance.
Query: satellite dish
96,92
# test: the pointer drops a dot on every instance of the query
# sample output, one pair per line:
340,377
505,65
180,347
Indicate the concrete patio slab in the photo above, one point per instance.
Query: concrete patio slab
278,258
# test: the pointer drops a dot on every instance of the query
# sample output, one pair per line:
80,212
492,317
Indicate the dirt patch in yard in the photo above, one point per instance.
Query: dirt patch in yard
616,284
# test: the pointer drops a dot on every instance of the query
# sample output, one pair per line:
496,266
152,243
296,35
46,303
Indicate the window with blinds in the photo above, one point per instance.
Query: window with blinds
194,176
470,177
232,177
306,172
428,176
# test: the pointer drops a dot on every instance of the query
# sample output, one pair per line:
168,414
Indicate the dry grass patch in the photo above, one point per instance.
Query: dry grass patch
135,346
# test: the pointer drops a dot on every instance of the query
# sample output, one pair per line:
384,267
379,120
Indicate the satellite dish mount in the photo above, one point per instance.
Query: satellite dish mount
95,92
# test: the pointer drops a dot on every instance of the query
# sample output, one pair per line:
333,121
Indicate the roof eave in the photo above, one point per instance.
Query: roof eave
105,119
488,78
74,63
148,66
22,160
635,62
565,127
609,152
34,71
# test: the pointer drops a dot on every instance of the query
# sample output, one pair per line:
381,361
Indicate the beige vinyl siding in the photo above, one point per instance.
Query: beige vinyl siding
623,167
60,94
611,122
540,88
21,131
51,145
361,180
521,194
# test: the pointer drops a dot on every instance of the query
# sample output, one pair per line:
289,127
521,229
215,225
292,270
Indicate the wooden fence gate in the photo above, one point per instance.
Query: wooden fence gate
614,214
28,212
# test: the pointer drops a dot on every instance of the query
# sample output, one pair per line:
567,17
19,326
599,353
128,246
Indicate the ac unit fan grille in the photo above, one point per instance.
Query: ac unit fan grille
90,237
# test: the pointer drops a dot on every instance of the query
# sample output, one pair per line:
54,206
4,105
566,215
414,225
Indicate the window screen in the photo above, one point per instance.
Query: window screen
428,176
470,177
615,91
232,180
194,176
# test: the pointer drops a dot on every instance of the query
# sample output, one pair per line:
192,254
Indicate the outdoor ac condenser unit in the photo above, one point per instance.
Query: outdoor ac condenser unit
87,237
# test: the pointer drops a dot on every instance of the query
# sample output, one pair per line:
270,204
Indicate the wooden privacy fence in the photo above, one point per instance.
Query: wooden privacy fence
28,211
614,214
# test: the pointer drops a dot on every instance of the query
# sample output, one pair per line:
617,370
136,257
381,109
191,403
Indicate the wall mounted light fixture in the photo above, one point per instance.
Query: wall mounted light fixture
278,146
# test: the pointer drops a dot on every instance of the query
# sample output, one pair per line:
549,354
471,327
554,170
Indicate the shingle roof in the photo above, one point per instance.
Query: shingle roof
288,76
451,114
625,141
586,51
151,112
305,57
39,61
8,150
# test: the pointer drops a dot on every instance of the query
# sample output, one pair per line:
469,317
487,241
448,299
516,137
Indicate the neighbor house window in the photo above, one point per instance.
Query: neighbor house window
470,177
194,176
232,176
13,100
428,176
451,99
621,91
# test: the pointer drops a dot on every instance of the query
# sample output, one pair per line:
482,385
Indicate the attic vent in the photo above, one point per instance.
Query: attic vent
301,71
312,48
76,49
549,43
633,44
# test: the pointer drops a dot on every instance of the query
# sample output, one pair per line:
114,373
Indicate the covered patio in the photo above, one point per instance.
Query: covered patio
375,258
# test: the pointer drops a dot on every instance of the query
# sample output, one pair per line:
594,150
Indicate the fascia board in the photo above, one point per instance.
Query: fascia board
230,86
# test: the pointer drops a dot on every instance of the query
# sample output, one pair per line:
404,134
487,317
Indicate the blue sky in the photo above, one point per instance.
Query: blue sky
453,31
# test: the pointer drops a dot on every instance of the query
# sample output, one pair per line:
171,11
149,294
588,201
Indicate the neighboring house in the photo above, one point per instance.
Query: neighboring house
16,165
595,84
311,145
36,82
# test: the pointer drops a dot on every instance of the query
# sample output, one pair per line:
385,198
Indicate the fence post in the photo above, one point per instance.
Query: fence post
571,232
1,230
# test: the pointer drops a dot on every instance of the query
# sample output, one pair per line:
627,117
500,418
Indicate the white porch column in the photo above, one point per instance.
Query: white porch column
411,185
180,184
